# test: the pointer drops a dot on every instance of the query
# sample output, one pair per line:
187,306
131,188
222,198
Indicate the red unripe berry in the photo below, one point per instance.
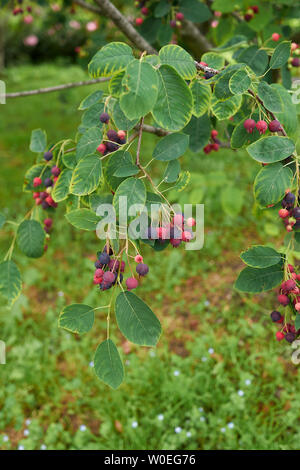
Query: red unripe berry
207,149
279,335
161,232
249,125
298,277
296,62
121,134
261,126
48,222
139,21
294,275
37,182
291,268
297,306
289,228
255,9
101,148
274,126
275,36
38,201
288,285
131,283
35,195
218,14
99,272
178,219
97,280
179,16
173,23
145,11
248,17
283,299
283,213
214,133
294,46
191,222
186,236
175,242
138,259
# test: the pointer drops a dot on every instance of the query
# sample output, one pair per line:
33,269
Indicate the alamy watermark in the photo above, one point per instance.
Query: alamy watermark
296,93
2,92
2,352
152,222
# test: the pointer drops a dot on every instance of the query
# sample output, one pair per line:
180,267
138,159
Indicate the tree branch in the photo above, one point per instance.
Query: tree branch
109,10
88,6
191,31
55,88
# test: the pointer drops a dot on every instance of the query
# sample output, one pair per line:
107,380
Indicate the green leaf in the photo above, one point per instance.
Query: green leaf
89,142
61,187
110,60
182,181
136,320
271,149
126,170
213,60
90,117
224,109
195,10
121,120
255,280
115,84
86,176
108,364
33,172
69,160
77,318
260,256
297,321
171,147
221,89
38,141
162,8
256,58
31,238
239,82
280,55
91,99
10,281
118,159
271,183
270,97
172,171
201,93
240,137
199,131
178,58
135,192
173,108
140,83
84,219
288,116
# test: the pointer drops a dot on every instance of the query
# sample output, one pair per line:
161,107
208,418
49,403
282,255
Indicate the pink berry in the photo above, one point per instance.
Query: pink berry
97,280
138,259
121,134
175,242
218,14
283,213
294,46
297,307
178,219
261,126
101,148
99,272
131,283
283,299
214,133
275,36
37,182
139,21
179,16
249,125
291,268
191,222
279,335
38,201
108,277
48,222
186,236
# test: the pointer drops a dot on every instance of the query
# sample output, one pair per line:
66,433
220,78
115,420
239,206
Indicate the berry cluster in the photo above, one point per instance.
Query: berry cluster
20,10
262,126
294,61
214,144
141,5
114,139
289,294
44,186
109,270
177,231
251,12
289,213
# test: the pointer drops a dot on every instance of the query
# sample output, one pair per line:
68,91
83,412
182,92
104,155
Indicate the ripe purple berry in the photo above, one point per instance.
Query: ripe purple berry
104,258
98,264
48,182
48,156
290,337
142,269
112,135
104,117
114,265
275,316
296,212
274,126
109,277
55,171
208,75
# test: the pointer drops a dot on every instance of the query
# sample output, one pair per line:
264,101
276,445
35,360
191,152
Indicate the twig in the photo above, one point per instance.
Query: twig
88,6
139,141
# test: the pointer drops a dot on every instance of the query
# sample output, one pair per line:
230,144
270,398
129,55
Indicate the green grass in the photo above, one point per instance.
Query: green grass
217,361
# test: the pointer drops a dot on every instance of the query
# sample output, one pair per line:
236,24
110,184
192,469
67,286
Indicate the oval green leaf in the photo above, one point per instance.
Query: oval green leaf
108,364
77,318
31,238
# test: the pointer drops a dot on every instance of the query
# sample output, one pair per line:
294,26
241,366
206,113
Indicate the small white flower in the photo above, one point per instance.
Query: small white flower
27,422
60,293
82,427
203,359
152,353
91,364
5,438
241,393
134,424
230,425
178,429
248,382
26,432
160,417
207,303
223,429
21,448
211,350
202,418
201,409
176,373
43,447
188,434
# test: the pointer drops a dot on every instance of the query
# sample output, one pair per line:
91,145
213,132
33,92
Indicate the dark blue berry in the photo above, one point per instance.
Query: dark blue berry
208,75
104,117
142,269
48,182
98,264
112,135
296,213
290,337
104,258
275,316
48,156
290,198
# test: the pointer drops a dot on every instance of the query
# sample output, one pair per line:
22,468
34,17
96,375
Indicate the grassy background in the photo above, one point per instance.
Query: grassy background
217,377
